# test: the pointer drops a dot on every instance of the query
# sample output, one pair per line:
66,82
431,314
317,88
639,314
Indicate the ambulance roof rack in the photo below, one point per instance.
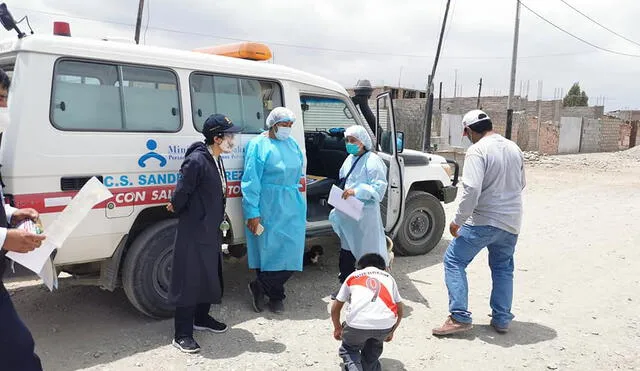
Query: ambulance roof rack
244,50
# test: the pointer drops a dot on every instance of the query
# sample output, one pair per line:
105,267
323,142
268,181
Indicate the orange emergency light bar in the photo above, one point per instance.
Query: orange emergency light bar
244,50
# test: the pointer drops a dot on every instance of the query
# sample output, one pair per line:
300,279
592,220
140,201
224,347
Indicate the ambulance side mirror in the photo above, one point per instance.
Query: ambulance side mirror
6,18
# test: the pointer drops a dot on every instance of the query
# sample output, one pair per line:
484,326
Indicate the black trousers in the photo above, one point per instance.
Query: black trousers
346,264
185,317
272,283
16,343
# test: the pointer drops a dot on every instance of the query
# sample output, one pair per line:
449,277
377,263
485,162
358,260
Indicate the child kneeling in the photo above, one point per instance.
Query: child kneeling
373,314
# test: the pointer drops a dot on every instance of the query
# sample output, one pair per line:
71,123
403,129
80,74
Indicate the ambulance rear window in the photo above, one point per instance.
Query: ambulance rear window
94,96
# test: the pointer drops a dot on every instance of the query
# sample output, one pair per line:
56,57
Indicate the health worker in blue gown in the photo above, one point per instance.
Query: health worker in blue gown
274,208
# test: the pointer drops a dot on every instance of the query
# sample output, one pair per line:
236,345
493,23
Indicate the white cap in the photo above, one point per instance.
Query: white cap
473,117
280,114
361,134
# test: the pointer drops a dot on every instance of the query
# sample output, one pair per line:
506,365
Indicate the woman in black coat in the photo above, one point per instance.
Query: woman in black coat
199,201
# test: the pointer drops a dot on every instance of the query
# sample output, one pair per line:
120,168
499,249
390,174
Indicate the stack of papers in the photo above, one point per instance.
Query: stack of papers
352,207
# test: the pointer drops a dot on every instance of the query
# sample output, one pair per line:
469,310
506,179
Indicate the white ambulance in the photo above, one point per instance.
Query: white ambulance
126,113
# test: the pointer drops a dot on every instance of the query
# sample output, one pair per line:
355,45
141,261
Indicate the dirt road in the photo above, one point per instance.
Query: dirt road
577,298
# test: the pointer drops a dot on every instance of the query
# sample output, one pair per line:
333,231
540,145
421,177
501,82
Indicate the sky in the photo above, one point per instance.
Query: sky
390,42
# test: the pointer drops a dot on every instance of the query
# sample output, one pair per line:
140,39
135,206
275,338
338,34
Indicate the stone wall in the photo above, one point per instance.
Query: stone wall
536,124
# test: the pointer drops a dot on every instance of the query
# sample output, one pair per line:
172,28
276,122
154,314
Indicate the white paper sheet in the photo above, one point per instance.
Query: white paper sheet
352,207
49,275
90,195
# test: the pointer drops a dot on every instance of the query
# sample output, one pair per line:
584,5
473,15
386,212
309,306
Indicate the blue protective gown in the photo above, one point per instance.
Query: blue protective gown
369,180
271,191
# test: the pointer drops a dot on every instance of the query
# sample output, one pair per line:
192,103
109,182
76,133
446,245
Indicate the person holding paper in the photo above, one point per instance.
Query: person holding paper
199,200
274,208
16,342
363,175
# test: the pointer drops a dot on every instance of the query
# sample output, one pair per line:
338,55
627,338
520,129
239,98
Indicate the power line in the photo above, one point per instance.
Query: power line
417,56
577,37
598,23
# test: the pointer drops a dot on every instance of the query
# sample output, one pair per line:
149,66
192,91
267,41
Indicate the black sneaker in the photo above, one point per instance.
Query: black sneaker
211,325
257,296
276,306
186,345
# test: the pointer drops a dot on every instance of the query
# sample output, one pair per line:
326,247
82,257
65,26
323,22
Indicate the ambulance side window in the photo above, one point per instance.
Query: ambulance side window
324,113
93,96
247,102
79,106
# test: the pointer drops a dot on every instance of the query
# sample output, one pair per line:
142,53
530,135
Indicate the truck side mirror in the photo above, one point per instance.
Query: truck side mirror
7,20
400,141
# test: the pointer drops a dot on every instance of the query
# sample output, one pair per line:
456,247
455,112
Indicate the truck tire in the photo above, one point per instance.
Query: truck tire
146,273
423,224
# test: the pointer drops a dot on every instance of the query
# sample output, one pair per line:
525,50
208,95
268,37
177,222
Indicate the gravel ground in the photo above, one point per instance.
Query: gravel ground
576,297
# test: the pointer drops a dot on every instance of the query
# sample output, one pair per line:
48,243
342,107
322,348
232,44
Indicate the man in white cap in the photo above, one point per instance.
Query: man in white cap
489,215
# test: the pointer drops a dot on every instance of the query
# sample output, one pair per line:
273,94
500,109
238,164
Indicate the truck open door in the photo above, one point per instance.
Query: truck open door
389,144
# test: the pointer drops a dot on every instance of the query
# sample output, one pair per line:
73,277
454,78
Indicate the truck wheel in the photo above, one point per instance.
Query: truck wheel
422,226
146,273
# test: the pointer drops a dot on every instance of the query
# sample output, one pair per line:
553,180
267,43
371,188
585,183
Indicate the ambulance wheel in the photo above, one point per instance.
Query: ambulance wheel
423,225
146,273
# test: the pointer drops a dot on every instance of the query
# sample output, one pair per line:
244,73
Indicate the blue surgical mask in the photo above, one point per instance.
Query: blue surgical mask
352,148
283,132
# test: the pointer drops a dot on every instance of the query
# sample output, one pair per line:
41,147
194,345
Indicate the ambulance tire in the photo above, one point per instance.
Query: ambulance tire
146,273
423,225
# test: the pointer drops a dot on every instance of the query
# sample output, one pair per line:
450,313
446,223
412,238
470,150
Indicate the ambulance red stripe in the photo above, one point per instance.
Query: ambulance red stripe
122,197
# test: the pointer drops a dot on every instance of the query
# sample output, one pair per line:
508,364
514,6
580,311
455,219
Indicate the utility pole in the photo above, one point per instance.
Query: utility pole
514,60
440,98
139,21
455,84
479,92
426,143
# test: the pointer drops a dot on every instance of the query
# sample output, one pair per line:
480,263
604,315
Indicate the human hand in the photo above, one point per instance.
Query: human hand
21,215
21,241
389,337
337,333
253,224
349,192
453,229
170,208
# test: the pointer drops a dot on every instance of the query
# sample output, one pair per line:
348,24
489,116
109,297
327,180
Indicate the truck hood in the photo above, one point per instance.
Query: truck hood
428,156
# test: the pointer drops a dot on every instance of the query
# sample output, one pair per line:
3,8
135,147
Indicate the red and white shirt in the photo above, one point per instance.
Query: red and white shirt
373,297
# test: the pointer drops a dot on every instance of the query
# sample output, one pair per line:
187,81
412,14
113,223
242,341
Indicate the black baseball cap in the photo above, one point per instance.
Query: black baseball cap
217,124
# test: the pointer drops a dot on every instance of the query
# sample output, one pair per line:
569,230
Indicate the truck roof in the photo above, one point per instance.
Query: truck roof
152,55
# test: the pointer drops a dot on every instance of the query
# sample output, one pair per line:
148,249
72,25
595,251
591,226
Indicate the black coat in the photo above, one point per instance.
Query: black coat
196,275
4,223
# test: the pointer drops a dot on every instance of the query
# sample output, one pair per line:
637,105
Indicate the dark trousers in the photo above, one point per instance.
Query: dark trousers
272,283
185,317
16,343
361,349
346,264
